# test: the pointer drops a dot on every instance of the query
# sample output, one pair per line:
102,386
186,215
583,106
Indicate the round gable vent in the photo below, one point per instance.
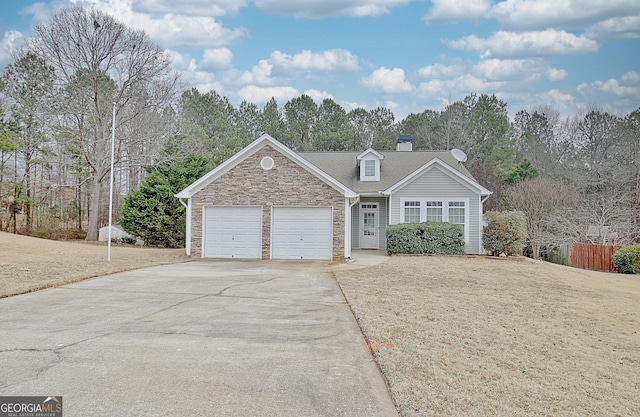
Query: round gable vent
267,163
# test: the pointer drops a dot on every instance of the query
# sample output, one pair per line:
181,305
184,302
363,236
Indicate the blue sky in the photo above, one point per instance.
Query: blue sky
406,55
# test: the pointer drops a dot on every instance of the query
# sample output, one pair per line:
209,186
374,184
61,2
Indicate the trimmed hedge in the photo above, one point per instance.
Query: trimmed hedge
425,238
505,233
627,259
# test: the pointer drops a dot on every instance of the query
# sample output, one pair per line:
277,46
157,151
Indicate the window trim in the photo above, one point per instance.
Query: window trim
363,163
404,208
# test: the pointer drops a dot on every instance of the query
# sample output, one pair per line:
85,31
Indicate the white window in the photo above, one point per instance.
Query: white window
369,168
457,213
369,162
412,212
434,211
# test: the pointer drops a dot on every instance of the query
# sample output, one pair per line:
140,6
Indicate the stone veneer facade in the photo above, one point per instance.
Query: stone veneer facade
286,184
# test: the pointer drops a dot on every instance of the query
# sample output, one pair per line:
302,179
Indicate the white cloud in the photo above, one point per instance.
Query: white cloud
42,11
605,16
627,27
181,62
318,96
450,11
352,105
387,81
216,59
261,95
171,30
517,69
459,86
10,42
565,103
469,83
189,7
554,74
204,81
176,30
527,14
432,88
326,61
440,70
323,8
628,88
259,74
631,77
391,105
529,44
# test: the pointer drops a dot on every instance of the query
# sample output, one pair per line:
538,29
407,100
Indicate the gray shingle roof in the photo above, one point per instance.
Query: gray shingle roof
393,168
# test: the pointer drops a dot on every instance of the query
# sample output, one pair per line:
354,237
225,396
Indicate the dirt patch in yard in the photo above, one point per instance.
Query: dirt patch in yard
479,336
29,264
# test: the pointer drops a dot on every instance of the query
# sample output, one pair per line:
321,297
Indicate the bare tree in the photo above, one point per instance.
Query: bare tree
599,218
538,199
102,63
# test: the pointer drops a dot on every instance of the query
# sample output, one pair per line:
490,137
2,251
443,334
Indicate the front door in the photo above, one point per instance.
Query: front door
369,226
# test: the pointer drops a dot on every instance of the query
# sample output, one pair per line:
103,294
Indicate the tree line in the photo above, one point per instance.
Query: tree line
60,92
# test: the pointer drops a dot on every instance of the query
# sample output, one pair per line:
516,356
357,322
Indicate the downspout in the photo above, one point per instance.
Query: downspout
348,230
480,226
187,235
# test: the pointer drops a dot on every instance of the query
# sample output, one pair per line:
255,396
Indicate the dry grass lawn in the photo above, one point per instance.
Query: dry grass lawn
477,336
454,336
29,264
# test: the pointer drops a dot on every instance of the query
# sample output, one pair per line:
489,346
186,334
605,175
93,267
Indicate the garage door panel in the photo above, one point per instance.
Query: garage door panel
302,233
233,232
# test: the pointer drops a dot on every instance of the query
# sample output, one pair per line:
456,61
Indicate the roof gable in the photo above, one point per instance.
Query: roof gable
251,149
370,151
454,174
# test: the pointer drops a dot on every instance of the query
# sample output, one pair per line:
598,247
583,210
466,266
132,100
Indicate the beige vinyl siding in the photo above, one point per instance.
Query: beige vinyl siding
437,184
383,218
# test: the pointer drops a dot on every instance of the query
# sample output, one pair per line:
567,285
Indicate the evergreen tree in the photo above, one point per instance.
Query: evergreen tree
152,212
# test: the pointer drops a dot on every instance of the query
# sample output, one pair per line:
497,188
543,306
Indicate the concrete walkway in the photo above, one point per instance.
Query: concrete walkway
260,338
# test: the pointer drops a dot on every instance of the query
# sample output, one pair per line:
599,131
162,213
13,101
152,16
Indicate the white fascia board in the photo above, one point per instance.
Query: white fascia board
370,151
457,175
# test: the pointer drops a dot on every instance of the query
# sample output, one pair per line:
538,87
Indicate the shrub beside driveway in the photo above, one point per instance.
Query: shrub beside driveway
480,336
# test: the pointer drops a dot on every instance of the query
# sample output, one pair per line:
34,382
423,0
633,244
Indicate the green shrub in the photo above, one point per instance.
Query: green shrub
627,259
505,233
128,240
423,238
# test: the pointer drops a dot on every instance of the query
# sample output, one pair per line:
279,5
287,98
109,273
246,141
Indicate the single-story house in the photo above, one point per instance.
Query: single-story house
269,202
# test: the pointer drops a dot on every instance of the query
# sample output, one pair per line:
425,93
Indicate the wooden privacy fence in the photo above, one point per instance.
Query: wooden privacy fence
594,257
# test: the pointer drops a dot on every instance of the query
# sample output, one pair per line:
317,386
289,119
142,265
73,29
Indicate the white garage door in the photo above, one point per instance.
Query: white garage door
302,233
232,232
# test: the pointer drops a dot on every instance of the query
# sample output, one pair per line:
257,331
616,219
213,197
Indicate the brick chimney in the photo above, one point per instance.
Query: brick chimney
404,143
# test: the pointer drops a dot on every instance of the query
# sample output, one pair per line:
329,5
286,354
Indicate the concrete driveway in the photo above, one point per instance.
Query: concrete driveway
227,338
